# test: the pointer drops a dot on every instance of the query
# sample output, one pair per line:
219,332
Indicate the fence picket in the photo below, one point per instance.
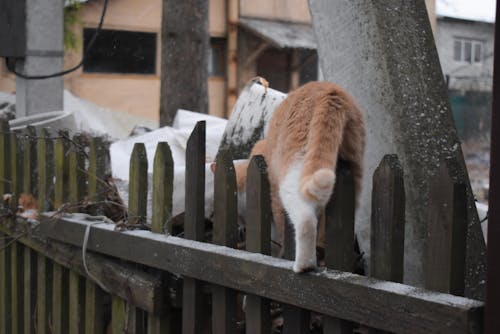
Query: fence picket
225,233
76,303
4,154
60,298
45,171
163,186
258,239
77,174
5,285
387,222
447,230
339,235
44,294
61,151
94,319
163,177
126,318
16,271
99,167
16,163
194,320
295,319
29,291
30,169
138,185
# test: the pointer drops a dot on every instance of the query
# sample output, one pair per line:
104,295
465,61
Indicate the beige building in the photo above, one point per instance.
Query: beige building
270,38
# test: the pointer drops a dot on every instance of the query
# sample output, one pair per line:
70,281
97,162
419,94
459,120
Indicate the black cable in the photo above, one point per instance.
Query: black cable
58,74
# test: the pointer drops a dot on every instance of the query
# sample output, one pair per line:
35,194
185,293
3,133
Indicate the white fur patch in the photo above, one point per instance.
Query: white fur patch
303,217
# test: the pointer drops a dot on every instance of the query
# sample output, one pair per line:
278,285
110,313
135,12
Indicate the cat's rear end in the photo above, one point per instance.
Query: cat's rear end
313,127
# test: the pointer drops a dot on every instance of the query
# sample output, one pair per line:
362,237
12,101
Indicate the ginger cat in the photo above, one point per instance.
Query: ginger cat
313,127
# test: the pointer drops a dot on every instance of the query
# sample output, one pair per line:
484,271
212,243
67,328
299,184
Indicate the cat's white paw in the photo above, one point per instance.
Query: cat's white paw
304,265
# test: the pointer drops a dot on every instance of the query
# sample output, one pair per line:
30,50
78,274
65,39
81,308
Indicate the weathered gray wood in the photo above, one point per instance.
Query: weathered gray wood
118,315
16,271
258,238
94,317
138,185
77,174
447,230
389,306
29,290
45,171
140,288
163,186
4,154
30,169
99,167
5,285
16,165
61,172
388,221
76,303
193,310
44,295
225,233
339,235
60,298
296,320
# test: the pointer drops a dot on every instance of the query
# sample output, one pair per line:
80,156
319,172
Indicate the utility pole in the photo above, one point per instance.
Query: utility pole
184,58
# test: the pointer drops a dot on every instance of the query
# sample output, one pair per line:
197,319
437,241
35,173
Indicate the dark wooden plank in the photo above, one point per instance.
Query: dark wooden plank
16,165
388,306
29,291
5,285
447,230
76,303
77,174
296,320
94,308
194,317
138,185
163,187
16,271
61,169
4,157
258,239
225,233
60,298
44,295
388,222
99,169
45,171
30,169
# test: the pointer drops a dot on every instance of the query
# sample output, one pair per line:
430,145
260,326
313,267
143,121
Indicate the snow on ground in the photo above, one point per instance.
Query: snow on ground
477,10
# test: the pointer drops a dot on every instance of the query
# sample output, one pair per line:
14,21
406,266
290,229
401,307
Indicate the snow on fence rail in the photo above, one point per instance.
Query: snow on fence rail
133,274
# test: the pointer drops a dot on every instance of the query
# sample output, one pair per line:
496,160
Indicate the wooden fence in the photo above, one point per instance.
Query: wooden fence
73,272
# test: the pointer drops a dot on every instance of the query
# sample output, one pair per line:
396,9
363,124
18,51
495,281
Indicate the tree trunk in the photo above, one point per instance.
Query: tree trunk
184,58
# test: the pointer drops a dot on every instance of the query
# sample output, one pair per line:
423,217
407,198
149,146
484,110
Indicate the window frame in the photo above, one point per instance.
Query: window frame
475,44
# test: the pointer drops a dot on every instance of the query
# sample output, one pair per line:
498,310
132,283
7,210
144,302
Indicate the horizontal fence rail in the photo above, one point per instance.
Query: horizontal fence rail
333,293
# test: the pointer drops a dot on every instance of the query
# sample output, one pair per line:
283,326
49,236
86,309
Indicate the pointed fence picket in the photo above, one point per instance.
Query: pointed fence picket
128,285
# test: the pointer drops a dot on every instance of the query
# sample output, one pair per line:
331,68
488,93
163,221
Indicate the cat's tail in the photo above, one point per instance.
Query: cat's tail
323,143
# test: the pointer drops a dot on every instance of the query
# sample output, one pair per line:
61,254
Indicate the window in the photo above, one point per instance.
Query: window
117,51
467,50
217,57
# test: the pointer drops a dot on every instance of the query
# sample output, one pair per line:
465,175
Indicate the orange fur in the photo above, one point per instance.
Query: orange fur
318,123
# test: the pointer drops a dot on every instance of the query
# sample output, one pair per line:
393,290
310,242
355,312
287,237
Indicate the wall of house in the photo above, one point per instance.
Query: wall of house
465,76
285,10
137,94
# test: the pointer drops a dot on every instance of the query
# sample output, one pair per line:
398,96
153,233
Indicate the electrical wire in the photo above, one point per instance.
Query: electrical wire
74,68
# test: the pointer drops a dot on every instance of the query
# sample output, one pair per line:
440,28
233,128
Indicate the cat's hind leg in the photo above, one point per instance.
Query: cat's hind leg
302,214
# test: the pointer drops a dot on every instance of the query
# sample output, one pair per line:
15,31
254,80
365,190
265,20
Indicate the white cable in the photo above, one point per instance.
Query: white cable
84,255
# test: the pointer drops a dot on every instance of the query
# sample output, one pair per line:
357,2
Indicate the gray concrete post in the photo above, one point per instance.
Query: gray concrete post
45,55
383,53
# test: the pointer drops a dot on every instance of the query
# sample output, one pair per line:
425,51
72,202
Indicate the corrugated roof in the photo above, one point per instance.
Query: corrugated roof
282,34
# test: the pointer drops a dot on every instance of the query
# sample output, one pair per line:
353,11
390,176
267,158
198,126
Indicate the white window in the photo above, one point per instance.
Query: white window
467,50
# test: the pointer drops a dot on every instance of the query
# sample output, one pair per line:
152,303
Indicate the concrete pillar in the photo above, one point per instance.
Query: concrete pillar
383,53
44,55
